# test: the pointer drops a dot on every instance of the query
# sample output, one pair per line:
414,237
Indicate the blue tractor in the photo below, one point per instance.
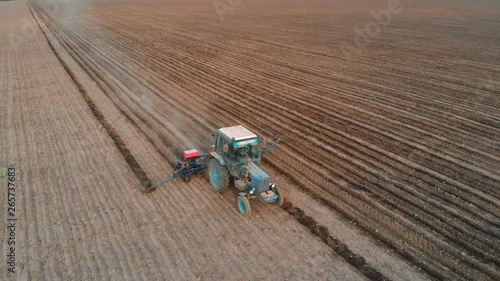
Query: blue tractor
236,155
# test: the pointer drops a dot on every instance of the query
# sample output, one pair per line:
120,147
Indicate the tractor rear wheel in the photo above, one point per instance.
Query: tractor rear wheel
218,174
243,205
280,196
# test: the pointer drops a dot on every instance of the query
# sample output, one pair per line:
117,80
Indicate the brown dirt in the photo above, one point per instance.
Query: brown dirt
81,213
120,144
340,248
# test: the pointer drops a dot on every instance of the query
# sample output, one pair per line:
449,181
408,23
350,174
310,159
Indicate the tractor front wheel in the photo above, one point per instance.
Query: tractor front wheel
218,174
243,205
280,196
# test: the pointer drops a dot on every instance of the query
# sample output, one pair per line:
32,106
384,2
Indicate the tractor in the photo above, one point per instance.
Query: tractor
235,155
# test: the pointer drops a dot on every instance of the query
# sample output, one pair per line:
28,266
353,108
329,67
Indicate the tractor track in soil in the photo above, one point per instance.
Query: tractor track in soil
41,111
120,144
479,239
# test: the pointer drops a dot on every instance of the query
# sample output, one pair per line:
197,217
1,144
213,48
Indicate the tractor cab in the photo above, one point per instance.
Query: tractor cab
237,146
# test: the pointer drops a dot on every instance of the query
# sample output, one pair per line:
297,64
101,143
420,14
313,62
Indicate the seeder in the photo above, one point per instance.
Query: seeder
236,154
192,163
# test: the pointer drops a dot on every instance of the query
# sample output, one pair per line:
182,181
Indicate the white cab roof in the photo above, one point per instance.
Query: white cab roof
237,132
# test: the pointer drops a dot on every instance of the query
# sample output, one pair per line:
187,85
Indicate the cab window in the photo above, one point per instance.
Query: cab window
219,143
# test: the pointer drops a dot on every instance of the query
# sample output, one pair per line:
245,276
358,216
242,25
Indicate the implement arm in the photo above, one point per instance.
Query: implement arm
267,149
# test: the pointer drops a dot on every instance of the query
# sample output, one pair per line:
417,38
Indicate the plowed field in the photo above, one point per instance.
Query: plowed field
390,152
